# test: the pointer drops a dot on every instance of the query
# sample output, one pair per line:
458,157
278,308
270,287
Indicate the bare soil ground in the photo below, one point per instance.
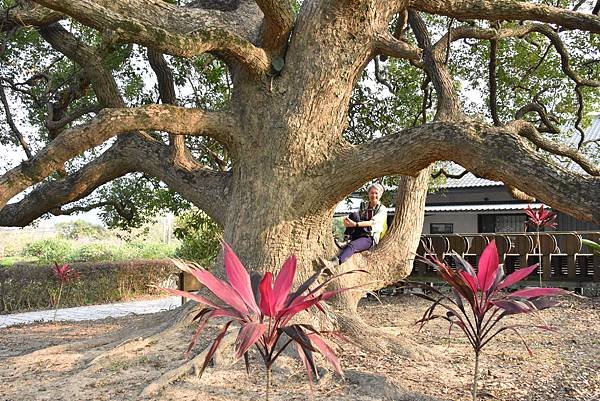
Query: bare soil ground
46,361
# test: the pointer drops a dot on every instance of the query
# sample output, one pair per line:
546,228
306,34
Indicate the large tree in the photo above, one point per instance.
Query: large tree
270,159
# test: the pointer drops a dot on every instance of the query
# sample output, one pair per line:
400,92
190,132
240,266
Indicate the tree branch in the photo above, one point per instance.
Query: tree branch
486,151
52,195
103,82
496,10
12,125
539,109
278,23
434,63
18,16
108,123
388,45
56,125
527,130
209,190
204,188
492,80
446,174
171,29
119,208
166,90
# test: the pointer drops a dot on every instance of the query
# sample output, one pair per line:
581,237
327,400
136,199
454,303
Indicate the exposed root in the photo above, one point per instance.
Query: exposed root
365,383
150,335
194,365
129,345
376,340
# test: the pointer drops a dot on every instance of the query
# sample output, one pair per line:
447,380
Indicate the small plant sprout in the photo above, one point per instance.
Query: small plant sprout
540,219
263,307
63,274
477,303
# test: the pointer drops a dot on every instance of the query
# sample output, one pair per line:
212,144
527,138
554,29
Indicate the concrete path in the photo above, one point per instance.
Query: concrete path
93,312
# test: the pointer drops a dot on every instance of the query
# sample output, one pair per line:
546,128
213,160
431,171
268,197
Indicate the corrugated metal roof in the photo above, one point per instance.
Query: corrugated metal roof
485,207
592,133
469,180
353,204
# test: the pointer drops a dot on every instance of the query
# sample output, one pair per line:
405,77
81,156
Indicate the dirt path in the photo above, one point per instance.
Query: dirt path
565,364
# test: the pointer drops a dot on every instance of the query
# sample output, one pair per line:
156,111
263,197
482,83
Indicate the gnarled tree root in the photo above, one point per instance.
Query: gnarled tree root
194,365
376,340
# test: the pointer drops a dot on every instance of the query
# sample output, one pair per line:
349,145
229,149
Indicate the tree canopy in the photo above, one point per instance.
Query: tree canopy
158,102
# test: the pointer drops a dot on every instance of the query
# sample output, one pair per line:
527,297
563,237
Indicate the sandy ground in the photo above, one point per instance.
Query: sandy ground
45,362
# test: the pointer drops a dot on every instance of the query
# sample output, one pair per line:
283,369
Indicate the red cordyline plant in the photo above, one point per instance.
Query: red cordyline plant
263,307
477,303
540,219
63,274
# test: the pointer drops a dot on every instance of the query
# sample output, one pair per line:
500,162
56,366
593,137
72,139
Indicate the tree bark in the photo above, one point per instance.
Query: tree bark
283,126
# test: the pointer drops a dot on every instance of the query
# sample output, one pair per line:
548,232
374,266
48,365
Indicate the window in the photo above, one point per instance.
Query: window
495,223
441,228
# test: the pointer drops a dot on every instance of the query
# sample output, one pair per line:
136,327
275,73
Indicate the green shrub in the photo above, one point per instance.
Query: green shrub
80,229
94,252
199,235
157,250
49,250
26,286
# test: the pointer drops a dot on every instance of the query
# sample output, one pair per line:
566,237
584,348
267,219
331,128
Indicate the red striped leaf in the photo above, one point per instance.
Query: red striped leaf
532,292
487,266
239,278
283,283
517,276
326,351
221,289
249,335
267,298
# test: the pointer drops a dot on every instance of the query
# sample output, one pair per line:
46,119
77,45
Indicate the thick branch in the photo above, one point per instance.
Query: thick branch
209,190
52,195
171,29
496,10
527,130
434,63
102,80
390,46
206,189
486,151
279,21
16,17
166,90
108,123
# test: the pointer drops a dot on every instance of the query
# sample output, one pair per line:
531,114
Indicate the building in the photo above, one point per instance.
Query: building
476,205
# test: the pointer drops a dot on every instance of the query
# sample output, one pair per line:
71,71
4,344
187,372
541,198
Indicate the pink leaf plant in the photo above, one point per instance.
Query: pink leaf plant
263,307
477,302
63,274
541,218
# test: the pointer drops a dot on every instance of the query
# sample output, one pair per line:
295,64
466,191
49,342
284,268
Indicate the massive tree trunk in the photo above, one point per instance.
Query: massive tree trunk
293,77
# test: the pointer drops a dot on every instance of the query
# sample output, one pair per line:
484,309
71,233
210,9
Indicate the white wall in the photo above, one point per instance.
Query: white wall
463,222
